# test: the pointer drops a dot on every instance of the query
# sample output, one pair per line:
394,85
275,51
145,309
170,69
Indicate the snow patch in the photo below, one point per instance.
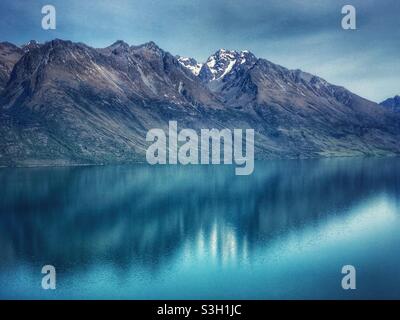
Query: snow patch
192,65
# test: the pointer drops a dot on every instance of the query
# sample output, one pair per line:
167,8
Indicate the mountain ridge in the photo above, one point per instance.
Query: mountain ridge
392,103
68,103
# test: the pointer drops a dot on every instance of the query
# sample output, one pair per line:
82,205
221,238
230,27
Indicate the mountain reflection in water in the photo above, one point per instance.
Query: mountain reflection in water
149,232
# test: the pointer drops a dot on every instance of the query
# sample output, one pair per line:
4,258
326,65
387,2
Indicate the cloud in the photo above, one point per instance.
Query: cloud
303,34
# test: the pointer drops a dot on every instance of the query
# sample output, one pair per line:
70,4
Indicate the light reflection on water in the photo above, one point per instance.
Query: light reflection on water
202,232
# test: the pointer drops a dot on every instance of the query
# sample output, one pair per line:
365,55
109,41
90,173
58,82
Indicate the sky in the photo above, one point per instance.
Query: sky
297,34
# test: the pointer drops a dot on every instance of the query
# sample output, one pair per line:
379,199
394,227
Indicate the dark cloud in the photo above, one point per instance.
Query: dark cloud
295,33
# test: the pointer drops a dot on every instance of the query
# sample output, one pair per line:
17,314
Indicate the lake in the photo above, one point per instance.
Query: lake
201,232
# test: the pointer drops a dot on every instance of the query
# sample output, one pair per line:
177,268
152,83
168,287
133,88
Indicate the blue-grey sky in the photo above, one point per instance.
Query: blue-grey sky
304,34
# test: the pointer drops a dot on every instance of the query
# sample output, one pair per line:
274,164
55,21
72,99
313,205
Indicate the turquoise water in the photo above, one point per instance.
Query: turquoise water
200,232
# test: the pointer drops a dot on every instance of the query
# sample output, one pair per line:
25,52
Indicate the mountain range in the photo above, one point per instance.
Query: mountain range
66,103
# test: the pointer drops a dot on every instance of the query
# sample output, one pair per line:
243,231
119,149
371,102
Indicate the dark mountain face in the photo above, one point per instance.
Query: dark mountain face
9,55
68,103
392,103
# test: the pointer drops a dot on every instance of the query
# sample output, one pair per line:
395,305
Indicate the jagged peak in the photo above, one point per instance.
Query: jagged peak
186,59
59,44
31,42
31,45
151,45
60,41
190,63
232,53
119,44
118,47
392,102
222,62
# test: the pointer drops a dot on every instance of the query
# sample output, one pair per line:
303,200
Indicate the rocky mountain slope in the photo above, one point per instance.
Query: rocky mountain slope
9,55
68,103
392,103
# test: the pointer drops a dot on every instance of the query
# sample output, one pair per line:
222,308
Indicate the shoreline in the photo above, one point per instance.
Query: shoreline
144,162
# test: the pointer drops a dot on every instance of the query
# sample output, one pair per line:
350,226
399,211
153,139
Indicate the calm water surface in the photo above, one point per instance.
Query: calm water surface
200,232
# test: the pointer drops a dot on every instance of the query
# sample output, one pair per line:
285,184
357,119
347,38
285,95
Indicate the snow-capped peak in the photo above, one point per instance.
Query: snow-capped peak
222,63
191,64
218,65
